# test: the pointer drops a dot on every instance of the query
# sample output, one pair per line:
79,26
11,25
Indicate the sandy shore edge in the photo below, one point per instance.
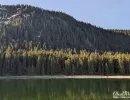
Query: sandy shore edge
65,77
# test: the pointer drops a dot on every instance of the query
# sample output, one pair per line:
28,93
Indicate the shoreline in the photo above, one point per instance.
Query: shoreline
65,77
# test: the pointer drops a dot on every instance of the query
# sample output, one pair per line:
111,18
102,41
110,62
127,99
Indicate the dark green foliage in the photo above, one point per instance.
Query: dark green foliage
34,41
54,62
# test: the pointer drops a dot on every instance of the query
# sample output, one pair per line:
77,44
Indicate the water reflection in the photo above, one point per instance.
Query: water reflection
70,89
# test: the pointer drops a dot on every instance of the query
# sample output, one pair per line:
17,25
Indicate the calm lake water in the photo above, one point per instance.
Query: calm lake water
59,89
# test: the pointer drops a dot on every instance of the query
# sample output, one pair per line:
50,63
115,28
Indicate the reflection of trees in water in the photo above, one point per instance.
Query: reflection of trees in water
61,89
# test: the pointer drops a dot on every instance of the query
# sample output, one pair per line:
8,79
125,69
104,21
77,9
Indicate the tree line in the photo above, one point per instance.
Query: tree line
67,62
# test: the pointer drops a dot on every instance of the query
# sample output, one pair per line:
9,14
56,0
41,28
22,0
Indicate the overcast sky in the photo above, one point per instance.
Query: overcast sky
114,14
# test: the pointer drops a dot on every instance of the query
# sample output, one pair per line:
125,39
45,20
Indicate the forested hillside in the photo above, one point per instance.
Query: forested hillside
34,41
27,27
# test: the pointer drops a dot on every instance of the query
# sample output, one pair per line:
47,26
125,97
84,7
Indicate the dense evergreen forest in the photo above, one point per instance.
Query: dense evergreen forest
34,41
27,27
67,62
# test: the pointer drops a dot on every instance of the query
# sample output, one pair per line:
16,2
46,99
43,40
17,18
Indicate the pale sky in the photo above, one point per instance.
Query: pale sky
114,14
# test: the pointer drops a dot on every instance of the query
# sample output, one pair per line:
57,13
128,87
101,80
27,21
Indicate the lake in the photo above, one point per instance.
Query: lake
59,89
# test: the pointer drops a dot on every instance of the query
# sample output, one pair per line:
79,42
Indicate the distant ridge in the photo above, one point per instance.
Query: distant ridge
28,27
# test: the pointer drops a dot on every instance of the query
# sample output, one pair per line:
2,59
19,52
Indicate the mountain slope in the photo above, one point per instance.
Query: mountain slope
27,27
